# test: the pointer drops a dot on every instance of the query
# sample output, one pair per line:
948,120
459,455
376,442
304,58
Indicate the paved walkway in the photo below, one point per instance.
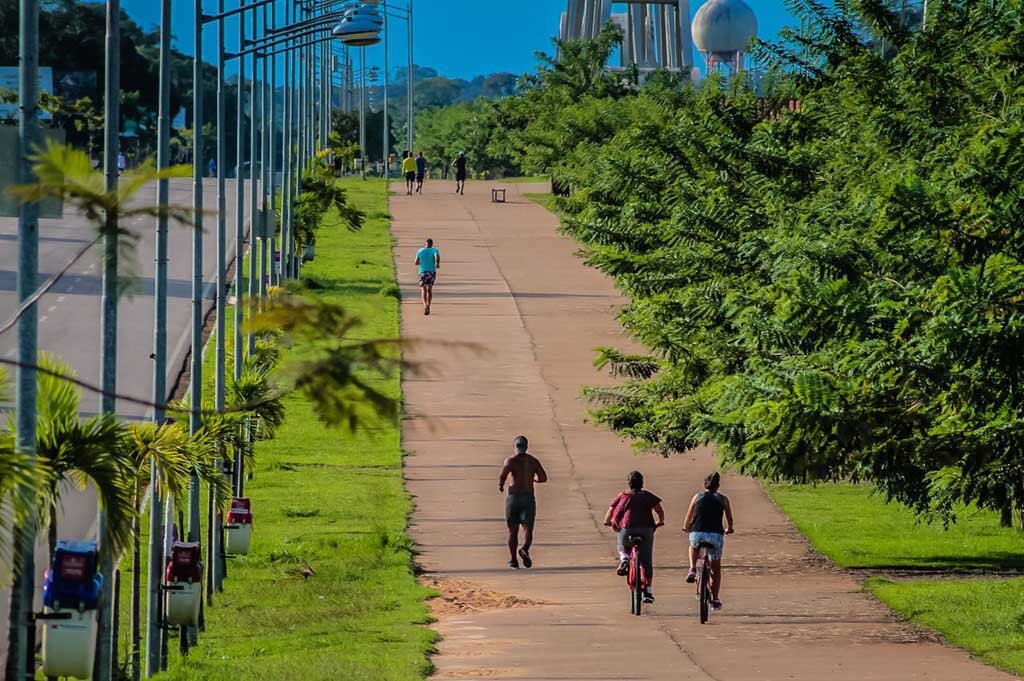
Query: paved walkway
510,283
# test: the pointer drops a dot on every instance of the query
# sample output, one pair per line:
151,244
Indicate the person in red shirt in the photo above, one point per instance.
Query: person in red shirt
633,513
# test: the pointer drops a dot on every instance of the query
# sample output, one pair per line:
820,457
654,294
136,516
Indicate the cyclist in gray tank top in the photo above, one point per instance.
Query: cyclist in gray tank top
704,523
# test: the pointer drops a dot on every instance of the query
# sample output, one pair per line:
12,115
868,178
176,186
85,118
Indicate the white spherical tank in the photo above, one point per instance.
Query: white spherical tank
723,27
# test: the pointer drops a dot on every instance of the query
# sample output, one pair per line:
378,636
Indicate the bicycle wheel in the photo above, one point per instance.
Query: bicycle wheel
705,593
638,582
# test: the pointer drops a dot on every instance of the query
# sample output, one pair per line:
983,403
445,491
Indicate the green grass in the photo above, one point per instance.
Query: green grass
858,529
526,180
546,201
980,615
333,502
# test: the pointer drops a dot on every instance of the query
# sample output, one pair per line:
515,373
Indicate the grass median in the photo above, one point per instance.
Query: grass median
953,592
328,590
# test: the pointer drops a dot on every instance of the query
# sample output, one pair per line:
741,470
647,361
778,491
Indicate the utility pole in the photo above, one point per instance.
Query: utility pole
286,153
22,651
254,154
271,246
196,373
156,562
387,136
362,110
267,133
409,85
108,319
239,206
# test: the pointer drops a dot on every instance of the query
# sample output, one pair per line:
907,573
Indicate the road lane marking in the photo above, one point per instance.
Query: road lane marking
60,299
52,308
43,319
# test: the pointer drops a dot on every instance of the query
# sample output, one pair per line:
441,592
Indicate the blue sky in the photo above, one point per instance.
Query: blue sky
459,38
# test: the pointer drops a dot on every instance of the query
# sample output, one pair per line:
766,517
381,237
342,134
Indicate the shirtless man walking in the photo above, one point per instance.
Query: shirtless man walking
520,504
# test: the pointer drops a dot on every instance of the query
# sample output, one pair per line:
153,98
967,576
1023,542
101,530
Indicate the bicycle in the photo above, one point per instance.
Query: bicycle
637,578
704,580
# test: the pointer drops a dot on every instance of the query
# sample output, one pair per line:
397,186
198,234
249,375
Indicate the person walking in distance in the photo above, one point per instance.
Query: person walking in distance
521,504
421,172
460,173
704,523
429,260
409,170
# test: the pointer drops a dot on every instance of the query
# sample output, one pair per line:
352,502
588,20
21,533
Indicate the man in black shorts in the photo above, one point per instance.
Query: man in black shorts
460,172
521,504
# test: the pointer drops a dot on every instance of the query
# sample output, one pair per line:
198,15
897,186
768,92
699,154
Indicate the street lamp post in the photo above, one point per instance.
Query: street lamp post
254,153
22,651
108,320
156,563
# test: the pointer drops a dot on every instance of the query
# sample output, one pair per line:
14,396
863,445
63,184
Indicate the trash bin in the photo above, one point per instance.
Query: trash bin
238,529
71,593
184,577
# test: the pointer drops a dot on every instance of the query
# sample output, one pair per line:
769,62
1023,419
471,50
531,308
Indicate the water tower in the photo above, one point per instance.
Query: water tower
722,30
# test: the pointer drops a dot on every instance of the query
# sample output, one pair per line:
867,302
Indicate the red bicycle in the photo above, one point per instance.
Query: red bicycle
637,578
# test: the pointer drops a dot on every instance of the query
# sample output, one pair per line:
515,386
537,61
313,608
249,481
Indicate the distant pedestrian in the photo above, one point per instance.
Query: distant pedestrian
460,173
213,167
122,163
421,172
409,170
429,260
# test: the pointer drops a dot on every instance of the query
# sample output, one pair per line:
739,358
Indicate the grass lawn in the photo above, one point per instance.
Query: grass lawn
330,502
981,615
858,529
526,180
547,201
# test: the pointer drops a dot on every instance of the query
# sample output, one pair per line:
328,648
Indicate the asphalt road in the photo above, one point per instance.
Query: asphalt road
69,318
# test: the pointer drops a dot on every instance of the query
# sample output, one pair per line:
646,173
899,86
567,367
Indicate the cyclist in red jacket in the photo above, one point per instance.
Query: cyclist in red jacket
632,513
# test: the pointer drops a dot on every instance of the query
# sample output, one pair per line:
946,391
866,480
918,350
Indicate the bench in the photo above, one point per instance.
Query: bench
497,196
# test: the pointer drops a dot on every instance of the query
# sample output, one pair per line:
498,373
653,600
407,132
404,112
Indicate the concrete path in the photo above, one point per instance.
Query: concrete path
512,284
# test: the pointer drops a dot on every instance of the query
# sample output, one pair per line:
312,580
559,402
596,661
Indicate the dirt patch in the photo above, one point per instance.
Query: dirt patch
459,596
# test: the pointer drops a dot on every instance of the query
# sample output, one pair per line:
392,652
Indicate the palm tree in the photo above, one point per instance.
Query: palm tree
81,451
168,448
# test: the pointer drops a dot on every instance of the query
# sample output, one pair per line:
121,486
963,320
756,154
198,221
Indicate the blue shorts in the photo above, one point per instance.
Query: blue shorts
428,278
716,540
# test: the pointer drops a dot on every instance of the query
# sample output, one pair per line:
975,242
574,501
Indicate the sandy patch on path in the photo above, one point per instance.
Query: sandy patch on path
457,596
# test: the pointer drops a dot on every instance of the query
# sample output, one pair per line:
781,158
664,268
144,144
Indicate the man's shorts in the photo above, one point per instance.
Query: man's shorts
409,177
419,177
716,540
428,278
520,509
460,177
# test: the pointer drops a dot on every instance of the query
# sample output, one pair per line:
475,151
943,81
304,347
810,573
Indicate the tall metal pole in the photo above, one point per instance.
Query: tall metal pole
23,592
156,562
266,133
108,320
213,566
196,372
269,247
412,122
387,136
362,110
286,153
239,204
254,193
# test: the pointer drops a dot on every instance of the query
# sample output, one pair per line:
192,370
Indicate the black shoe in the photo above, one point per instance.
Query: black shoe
514,564
623,569
525,555
648,596
691,576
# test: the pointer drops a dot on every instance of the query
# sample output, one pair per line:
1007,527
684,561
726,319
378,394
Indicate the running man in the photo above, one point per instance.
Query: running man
460,172
704,523
421,172
632,513
429,260
521,504
409,170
